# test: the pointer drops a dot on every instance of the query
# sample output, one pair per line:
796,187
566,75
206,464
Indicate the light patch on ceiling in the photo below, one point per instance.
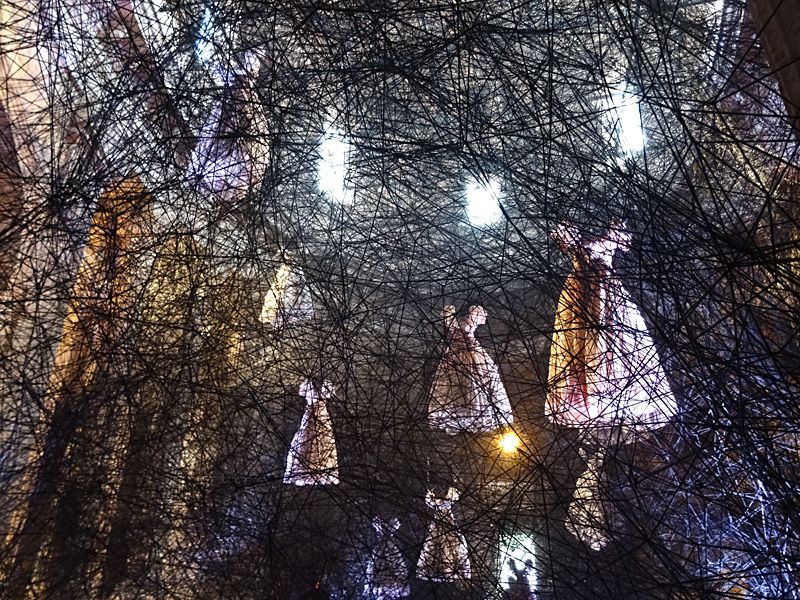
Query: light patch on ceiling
204,46
334,154
628,123
623,119
483,200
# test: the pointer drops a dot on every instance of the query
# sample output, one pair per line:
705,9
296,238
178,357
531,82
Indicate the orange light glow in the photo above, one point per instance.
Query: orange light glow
509,442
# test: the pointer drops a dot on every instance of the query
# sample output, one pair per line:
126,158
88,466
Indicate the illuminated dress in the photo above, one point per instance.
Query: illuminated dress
444,554
604,369
387,573
288,299
313,459
231,150
467,393
586,518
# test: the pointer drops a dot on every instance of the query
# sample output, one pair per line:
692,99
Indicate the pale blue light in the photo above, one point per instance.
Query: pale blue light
204,46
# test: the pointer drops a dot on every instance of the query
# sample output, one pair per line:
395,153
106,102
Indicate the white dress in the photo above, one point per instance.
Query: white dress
387,573
312,458
288,299
467,393
630,387
444,556
604,367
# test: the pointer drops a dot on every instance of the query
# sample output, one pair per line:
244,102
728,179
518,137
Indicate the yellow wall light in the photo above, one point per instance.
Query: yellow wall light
509,442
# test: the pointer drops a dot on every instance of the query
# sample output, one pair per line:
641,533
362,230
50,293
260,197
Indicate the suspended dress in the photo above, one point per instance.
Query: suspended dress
604,368
231,150
387,573
288,299
467,393
312,458
444,554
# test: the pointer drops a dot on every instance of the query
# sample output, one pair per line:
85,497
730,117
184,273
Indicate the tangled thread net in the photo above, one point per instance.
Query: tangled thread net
206,204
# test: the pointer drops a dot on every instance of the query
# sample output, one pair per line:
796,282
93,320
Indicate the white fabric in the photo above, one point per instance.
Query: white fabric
231,152
313,459
629,386
218,165
444,556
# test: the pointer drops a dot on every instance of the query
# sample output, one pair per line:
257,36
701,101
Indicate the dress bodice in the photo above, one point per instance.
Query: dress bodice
313,395
603,251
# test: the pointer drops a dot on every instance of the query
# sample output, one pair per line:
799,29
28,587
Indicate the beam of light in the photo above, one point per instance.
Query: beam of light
483,200
204,46
334,152
626,119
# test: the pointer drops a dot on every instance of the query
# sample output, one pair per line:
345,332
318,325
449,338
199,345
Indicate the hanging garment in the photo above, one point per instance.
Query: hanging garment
604,368
586,518
387,573
467,393
288,299
313,459
231,151
444,554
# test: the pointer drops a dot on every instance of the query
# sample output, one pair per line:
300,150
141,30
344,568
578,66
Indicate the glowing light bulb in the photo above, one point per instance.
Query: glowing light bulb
509,442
